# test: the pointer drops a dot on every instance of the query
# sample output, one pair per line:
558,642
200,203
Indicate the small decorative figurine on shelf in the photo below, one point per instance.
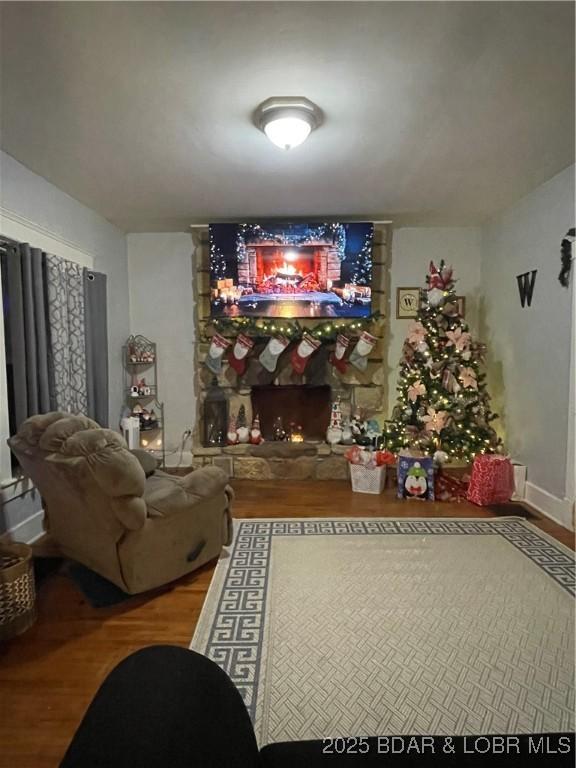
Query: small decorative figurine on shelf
334,431
148,420
242,427
143,389
232,434
255,433
347,438
364,431
278,430
359,428
139,350
140,388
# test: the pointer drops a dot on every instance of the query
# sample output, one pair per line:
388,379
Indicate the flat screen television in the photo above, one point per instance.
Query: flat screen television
291,270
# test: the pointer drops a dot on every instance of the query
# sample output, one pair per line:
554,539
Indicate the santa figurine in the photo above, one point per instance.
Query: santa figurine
243,434
232,434
242,430
255,433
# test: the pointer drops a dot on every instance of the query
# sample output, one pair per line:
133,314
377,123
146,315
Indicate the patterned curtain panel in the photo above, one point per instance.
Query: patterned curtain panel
26,332
66,317
96,345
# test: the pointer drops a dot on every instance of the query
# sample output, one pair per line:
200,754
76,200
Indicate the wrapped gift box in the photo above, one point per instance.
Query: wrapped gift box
492,480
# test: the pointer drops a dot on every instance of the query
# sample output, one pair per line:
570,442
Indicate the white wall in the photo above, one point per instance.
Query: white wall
412,250
33,209
530,347
30,200
162,309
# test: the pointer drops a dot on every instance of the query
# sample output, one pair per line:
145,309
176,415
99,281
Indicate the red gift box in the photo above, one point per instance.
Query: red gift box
492,480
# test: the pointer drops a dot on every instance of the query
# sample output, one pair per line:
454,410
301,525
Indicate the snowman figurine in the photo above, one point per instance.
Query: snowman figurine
416,483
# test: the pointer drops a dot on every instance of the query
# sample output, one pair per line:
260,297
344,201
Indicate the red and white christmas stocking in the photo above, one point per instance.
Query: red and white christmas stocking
337,357
218,345
302,353
359,355
269,357
238,356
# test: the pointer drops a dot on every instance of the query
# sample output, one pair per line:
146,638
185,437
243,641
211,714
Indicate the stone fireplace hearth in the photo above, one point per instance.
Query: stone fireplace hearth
304,400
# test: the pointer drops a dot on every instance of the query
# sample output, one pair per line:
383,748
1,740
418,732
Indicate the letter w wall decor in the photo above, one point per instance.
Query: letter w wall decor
526,287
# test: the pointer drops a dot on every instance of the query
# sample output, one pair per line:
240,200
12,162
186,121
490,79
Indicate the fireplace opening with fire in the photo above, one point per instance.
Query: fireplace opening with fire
291,270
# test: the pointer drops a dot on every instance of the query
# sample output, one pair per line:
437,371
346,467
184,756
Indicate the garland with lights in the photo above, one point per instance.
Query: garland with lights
443,404
260,328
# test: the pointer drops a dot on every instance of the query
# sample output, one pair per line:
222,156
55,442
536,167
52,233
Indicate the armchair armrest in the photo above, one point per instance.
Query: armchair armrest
148,463
168,494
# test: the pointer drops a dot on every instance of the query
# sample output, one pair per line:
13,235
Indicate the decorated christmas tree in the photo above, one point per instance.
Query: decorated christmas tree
443,404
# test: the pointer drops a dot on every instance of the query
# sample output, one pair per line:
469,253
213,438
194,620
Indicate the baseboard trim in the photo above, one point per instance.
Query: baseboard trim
28,531
559,510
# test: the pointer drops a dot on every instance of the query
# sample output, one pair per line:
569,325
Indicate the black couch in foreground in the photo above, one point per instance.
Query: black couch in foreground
167,707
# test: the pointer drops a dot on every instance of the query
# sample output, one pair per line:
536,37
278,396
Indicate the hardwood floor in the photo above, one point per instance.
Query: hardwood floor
49,675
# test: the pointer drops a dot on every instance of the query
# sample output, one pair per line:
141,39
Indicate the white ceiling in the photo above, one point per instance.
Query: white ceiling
435,112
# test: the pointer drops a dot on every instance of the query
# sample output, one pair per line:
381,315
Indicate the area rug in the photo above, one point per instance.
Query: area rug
382,627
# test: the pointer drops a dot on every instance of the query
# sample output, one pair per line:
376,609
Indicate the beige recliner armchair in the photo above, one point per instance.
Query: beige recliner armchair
103,511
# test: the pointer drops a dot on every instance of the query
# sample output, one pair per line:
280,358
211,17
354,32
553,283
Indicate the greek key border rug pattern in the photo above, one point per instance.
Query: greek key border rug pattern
231,629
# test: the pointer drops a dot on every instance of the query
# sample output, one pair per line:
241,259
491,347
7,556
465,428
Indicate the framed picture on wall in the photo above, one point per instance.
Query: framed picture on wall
407,303
461,306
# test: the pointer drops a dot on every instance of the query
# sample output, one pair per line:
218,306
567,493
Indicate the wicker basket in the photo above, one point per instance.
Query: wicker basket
17,591
366,479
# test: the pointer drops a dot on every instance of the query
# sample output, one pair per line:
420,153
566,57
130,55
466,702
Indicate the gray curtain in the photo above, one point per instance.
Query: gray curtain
26,332
96,332
66,318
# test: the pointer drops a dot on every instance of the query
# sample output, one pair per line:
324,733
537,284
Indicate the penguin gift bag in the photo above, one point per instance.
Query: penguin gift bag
416,478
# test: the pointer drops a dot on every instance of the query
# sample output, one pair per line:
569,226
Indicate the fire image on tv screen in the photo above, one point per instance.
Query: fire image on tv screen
291,270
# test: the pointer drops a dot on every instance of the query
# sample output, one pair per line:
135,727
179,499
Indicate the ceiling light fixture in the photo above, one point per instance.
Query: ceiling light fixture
287,120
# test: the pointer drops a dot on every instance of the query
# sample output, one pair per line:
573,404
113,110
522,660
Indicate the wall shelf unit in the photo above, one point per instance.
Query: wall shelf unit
140,360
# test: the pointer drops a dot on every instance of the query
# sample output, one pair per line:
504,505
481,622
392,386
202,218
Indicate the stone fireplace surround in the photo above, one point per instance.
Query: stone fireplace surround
313,458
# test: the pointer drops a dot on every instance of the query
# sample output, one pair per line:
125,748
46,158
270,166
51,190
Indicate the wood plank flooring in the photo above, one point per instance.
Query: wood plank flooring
49,675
